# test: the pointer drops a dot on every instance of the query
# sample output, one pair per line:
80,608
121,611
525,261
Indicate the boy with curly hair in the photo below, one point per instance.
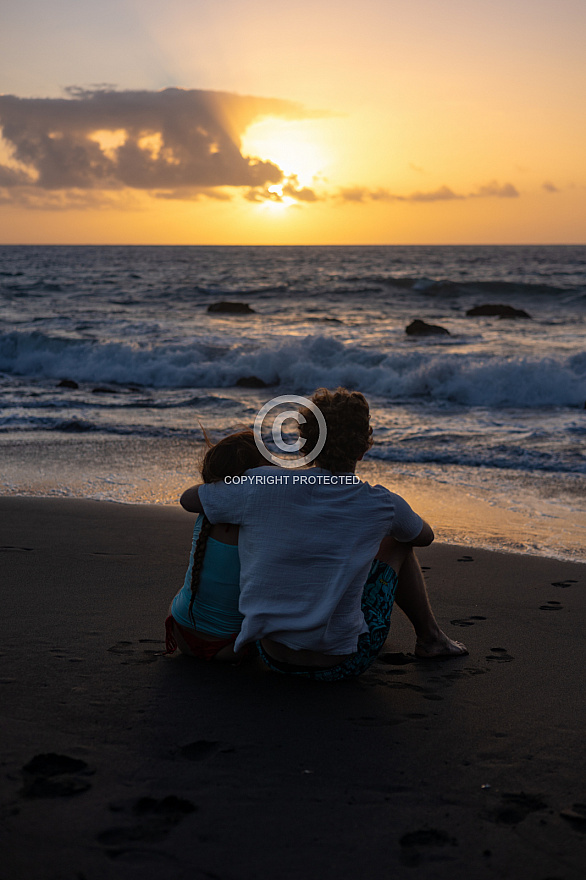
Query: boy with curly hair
323,555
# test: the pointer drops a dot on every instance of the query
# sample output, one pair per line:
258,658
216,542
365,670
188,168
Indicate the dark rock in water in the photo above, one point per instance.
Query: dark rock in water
100,390
231,308
67,383
495,310
250,382
421,328
75,425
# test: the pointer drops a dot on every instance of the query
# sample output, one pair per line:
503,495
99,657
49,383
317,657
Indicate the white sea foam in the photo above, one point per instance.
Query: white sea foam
465,378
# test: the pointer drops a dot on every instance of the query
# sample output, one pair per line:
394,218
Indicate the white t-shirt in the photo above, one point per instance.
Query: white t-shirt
305,551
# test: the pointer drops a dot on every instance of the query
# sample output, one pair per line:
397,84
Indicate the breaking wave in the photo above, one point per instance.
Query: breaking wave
301,365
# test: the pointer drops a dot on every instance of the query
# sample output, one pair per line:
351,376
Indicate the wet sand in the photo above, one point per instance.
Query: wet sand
121,763
541,512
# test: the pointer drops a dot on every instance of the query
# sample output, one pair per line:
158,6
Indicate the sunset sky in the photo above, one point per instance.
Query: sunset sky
329,122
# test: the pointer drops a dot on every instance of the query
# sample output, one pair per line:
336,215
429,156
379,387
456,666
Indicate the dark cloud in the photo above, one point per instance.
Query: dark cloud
179,141
13,176
300,193
34,199
550,187
190,195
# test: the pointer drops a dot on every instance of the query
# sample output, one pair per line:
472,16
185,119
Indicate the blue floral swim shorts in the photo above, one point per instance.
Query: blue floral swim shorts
377,604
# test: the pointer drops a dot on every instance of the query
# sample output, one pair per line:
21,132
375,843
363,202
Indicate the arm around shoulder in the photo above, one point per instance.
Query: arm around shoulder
190,500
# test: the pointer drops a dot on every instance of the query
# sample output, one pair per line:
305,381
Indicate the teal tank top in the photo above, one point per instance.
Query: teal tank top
216,604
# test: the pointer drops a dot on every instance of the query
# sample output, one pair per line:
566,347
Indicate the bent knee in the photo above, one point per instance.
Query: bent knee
393,552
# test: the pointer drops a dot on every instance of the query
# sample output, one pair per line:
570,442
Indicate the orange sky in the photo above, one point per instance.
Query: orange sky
398,122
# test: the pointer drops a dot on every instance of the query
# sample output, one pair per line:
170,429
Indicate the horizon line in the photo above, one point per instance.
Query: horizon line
299,244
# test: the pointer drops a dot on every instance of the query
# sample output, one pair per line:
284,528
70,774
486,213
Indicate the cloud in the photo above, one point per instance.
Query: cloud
34,199
300,193
443,194
354,194
501,191
550,187
95,147
360,194
178,141
289,189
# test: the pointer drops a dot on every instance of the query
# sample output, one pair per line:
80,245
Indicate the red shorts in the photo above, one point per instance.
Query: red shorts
203,648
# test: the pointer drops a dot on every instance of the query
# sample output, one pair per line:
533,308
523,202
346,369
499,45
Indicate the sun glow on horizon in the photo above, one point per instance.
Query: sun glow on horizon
244,124
292,145
279,201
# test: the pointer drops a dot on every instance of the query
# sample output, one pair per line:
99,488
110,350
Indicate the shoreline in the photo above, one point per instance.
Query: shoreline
468,767
166,506
541,513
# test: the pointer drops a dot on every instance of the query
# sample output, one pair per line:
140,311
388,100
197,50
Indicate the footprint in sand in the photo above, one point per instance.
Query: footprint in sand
500,655
121,648
203,749
8,549
200,749
50,775
156,818
415,845
551,606
566,583
371,721
467,621
576,816
428,837
396,659
145,656
516,806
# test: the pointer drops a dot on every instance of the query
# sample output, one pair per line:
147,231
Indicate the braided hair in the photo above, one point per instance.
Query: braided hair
230,457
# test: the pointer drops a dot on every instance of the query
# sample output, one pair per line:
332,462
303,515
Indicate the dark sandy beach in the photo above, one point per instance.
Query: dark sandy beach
166,767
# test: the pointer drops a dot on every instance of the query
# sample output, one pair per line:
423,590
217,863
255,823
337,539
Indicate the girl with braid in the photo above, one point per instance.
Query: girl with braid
324,554
203,618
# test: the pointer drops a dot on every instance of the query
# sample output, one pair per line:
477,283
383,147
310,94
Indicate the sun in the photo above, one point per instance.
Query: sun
279,202
292,145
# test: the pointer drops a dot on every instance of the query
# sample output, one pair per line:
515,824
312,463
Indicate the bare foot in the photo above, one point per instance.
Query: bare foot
442,646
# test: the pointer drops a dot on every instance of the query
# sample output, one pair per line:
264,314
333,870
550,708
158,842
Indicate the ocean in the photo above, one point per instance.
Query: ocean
483,429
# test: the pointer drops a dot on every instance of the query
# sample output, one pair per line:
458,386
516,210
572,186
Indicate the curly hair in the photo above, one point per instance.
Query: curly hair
349,434
230,457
